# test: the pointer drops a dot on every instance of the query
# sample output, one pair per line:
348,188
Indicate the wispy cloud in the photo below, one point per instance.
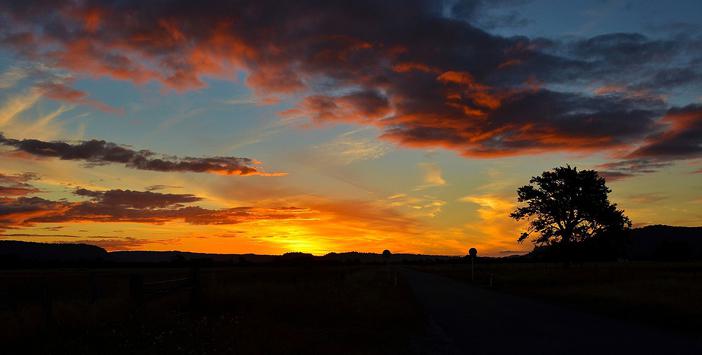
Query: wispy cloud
493,227
17,104
418,206
351,147
646,198
18,119
432,176
12,76
252,100
17,185
59,90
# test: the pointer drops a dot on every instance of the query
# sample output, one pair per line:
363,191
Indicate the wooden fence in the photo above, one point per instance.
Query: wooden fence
140,292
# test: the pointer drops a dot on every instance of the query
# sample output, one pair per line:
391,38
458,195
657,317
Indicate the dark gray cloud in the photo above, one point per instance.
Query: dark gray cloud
667,79
622,169
99,152
675,28
420,70
481,12
681,138
17,185
678,138
638,62
162,187
610,175
132,206
15,212
626,49
137,199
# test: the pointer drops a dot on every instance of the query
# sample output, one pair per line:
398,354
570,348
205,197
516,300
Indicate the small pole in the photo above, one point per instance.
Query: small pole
472,269
195,291
47,305
12,302
473,253
136,288
93,288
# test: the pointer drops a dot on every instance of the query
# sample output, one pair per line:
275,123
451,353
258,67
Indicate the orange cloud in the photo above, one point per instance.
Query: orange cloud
449,85
405,67
681,135
495,232
118,206
62,92
17,185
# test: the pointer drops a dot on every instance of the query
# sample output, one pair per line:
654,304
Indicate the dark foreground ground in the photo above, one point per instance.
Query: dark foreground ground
466,319
250,310
665,295
374,309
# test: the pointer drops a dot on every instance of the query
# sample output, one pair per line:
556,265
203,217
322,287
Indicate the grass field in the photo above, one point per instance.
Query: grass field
307,309
250,310
666,295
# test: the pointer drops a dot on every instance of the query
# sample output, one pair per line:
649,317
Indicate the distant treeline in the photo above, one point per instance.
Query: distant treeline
16,254
657,242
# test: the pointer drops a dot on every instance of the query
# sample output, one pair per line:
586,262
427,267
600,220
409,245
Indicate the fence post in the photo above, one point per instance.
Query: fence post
94,293
136,288
195,287
472,268
47,304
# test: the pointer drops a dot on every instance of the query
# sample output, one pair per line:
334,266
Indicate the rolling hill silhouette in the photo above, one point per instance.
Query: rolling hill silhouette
661,242
11,250
657,242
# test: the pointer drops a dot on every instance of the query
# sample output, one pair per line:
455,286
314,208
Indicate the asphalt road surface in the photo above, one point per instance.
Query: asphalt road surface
466,319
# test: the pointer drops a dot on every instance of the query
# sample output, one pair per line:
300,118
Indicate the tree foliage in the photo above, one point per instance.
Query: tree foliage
567,205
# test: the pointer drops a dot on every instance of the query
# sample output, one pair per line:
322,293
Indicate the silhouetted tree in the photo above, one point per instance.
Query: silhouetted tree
472,252
565,205
386,253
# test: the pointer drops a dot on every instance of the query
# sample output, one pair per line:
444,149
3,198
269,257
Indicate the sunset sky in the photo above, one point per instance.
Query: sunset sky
331,126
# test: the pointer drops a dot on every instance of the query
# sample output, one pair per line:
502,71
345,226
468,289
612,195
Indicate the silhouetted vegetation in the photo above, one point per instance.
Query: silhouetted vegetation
665,243
179,302
651,243
252,310
567,206
19,254
666,295
29,254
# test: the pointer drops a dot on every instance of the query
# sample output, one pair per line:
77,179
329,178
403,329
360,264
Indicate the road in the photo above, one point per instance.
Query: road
466,319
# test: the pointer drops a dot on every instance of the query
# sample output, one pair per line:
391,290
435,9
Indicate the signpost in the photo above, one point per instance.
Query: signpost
473,254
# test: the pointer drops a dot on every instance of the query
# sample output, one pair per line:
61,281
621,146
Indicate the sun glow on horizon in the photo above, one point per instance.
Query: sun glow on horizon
372,126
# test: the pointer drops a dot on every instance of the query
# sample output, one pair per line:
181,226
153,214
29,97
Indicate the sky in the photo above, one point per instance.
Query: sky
331,126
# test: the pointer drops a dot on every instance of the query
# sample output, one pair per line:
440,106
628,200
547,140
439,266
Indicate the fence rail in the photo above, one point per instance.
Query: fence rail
140,291
7,302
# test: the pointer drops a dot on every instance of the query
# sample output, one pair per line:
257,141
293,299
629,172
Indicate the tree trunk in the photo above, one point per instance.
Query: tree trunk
567,247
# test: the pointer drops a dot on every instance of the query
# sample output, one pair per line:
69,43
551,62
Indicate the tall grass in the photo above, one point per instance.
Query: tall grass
250,310
667,295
